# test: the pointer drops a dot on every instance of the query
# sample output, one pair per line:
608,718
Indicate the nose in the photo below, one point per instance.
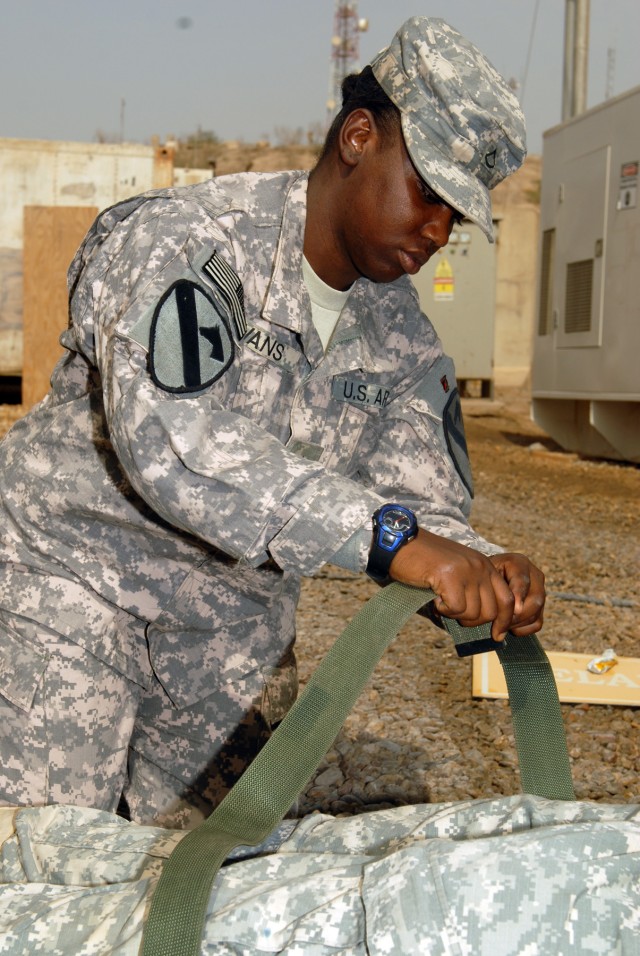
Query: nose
438,224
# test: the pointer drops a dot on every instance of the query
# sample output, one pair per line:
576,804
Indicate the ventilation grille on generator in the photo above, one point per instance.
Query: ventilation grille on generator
545,322
577,305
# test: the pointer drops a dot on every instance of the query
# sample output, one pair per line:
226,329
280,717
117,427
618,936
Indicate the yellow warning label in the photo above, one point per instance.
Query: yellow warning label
620,685
443,281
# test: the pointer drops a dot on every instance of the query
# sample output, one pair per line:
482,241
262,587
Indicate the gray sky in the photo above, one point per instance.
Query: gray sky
246,68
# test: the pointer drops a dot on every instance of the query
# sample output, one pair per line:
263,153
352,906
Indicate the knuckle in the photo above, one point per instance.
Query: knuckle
538,601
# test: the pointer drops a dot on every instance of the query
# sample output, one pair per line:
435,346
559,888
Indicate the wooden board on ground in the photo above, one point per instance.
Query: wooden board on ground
52,235
620,685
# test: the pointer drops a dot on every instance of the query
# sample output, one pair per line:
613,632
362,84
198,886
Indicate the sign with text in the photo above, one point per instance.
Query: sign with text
443,281
620,685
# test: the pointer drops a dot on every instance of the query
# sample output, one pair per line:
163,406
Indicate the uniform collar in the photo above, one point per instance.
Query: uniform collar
287,298
355,343
350,346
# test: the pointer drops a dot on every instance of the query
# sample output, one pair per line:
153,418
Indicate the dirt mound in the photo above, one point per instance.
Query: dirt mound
522,188
239,157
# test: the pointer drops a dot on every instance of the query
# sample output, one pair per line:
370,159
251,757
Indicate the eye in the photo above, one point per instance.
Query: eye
427,192
431,197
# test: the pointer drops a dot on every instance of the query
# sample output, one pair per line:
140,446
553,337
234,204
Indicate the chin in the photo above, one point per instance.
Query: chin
381,275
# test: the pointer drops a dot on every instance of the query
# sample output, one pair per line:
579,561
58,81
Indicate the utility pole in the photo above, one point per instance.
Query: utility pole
576,58
611,70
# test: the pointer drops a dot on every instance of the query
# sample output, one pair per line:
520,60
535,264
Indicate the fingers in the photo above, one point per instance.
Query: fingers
505,589
469,587
526,582
476,602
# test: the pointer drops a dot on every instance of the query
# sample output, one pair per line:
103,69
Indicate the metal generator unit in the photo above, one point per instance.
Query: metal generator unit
457,290
586,356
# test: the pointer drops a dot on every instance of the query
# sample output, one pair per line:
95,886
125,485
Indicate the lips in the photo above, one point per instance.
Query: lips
412,262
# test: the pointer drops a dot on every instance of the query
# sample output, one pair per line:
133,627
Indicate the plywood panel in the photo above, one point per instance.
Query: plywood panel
162,167
51,236
576,684
10,351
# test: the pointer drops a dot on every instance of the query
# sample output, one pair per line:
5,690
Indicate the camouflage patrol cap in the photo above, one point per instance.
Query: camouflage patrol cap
462,125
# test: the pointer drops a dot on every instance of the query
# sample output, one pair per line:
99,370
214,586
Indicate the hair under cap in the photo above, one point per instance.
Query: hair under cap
462,125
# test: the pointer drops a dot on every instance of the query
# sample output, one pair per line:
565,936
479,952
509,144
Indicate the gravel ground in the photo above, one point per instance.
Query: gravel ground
416,734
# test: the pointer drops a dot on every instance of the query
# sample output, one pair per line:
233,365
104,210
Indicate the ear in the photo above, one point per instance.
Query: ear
356,133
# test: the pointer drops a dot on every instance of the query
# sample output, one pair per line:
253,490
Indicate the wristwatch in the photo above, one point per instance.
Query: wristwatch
393,526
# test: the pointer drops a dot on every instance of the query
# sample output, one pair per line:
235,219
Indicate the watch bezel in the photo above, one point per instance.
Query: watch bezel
382,554
398,533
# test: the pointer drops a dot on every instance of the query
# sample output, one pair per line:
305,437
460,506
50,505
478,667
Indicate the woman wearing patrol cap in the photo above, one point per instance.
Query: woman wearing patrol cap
391,182
248,380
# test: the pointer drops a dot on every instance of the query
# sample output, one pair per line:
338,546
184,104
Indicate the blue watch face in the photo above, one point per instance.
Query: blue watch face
396,525
397,520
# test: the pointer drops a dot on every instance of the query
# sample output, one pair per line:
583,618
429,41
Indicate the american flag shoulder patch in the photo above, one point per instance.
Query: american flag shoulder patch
229,286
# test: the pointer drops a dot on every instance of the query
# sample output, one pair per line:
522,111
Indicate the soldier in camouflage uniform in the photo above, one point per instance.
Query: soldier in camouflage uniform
444,880
215,431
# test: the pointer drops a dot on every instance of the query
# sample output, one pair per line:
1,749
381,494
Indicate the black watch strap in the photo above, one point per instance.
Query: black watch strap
393,526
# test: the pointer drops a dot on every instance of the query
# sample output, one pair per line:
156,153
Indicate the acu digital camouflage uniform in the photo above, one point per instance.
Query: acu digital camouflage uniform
501,877
197,453
149,519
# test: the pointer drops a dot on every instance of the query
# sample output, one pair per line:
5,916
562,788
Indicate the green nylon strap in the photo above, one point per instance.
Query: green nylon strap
271,783
535,711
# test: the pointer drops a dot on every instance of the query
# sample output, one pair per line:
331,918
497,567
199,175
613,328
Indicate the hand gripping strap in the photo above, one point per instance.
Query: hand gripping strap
271,783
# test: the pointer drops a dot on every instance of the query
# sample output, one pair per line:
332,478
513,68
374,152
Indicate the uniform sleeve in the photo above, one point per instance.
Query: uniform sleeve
203,469
418,453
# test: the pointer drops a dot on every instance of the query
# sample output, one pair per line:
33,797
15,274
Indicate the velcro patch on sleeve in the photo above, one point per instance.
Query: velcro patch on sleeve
190,342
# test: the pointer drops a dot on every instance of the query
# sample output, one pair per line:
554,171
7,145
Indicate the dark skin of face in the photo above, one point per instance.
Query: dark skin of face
370,214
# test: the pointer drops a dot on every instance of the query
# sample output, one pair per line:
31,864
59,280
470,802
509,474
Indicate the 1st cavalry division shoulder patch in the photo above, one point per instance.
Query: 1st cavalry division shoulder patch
453,425
191,346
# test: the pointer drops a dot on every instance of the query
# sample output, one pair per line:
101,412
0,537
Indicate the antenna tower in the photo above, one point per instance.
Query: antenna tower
345,51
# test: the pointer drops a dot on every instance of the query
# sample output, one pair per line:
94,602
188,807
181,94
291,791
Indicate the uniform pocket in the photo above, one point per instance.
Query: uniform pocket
224,621
22,665
264,393
348,432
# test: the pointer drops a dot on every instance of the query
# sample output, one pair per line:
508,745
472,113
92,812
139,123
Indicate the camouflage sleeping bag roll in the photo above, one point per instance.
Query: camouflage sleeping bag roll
498,877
